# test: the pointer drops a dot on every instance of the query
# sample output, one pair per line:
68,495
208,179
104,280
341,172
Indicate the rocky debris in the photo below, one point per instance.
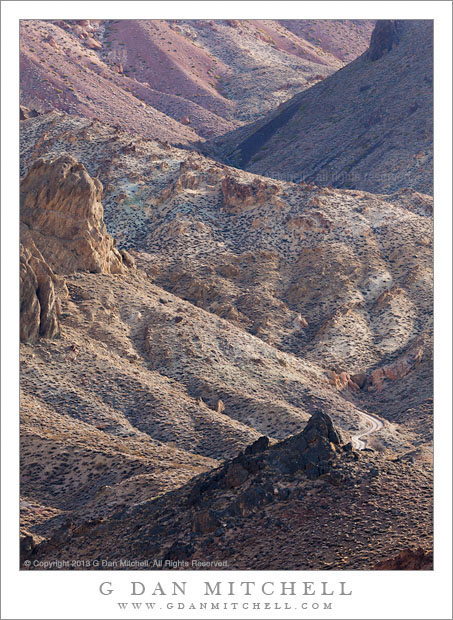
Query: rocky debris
40,293
385,37
408,559
61,206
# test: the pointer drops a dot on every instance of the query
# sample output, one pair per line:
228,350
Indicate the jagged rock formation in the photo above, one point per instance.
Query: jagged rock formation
368,126
39,293
61,206
61,214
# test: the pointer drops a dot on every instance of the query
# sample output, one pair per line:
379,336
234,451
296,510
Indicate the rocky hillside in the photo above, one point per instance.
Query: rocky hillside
240,306
179,80
217,364
357,296
269,508
367,126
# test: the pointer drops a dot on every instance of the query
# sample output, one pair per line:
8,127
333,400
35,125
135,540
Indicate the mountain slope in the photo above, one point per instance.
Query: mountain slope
202,345
270,508
174,80
368,126
334,275
309,310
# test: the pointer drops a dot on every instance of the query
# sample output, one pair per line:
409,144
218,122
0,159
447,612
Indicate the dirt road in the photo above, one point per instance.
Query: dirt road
374,424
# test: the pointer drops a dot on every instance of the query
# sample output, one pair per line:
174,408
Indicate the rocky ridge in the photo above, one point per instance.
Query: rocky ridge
224,513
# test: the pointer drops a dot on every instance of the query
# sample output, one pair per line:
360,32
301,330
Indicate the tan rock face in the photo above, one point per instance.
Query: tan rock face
399,369
92,44
239,196
61,206
39,294
339,380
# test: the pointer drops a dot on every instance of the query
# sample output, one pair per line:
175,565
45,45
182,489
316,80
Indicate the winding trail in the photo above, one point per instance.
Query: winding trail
374,424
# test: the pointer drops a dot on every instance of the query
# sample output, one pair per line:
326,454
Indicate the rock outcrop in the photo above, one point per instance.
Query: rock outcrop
312,451
62,231
238,196
384,37
397,370
61,206
40,291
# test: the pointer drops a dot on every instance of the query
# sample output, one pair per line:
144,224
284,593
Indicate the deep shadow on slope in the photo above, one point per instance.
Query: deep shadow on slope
368,126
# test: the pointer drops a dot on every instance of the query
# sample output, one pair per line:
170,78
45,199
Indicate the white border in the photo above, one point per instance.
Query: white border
376,594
